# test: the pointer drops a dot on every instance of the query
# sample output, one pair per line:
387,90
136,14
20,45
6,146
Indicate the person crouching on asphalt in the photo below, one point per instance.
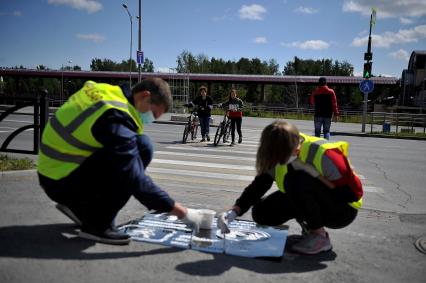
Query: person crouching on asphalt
317,186
94,154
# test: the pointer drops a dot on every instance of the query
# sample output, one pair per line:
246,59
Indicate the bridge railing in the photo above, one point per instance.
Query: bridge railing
40,117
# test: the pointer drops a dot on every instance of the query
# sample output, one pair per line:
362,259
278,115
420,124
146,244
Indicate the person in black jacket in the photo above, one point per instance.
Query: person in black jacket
204,105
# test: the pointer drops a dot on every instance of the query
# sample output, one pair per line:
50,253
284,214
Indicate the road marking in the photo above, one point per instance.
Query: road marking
218,149
202,174
372,189
203,164
212,156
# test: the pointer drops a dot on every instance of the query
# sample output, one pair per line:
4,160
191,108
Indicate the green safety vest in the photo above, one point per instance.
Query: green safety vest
67,140
311,152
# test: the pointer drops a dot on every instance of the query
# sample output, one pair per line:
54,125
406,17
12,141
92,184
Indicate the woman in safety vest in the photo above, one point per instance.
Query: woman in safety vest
93,156
316,183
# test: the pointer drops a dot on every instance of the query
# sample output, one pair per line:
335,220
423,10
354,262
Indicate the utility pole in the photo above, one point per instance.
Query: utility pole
139,39
368,65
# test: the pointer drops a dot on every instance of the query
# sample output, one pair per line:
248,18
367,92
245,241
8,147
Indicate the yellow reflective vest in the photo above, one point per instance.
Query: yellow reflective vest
311,152
67,140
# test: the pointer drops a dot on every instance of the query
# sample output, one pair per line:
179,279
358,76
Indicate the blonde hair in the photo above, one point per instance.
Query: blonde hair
277,143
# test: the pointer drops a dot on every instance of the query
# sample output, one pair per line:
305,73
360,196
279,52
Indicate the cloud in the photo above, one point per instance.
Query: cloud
260,40
405,21
306,10
401,54
387,9
389,38
165,70
91,6
15,14
97,38
223,17
252,12
309,44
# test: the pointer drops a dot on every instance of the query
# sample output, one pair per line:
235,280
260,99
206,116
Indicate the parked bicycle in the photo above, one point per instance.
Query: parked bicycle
191,127
223,130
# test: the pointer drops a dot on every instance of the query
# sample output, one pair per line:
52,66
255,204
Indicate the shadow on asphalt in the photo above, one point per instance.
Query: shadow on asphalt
289,263
49,242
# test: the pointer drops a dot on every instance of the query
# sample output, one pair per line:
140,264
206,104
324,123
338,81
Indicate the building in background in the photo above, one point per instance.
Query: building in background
413,81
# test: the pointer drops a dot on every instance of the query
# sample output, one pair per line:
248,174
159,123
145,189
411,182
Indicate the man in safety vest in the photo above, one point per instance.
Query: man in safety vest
93,156
316,183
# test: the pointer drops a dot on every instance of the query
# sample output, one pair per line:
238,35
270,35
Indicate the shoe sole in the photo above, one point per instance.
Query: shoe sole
68,213
95,238
313,253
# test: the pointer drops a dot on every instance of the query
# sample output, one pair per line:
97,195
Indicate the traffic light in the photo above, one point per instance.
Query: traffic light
367,70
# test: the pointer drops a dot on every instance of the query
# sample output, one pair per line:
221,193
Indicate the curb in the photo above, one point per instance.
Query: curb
18,175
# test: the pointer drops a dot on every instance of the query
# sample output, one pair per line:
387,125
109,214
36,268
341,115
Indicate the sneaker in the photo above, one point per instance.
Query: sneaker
240,139
208,138
109,236
203,140
313,243
232,143
65,210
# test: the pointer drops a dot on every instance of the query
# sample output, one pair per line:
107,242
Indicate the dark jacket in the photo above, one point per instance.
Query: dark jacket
203,106
234,106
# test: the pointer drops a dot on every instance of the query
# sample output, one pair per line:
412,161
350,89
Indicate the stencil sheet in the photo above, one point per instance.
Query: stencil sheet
246,238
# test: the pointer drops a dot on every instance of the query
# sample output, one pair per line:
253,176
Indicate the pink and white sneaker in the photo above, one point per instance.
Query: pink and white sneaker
313,243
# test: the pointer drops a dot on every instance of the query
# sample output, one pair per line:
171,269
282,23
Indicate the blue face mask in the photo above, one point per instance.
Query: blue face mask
147,117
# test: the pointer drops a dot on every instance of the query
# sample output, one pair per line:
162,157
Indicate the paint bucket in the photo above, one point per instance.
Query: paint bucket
207,218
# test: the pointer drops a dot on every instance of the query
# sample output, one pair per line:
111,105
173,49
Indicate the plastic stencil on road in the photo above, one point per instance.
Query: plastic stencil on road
246,238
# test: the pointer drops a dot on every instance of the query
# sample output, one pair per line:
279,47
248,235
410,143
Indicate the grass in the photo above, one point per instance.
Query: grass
8,163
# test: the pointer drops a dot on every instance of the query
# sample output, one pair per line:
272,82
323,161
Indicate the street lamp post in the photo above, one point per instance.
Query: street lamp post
62,81
139,40
131,43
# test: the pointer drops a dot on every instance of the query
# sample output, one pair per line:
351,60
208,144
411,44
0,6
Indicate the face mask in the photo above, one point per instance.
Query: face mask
147,117
291,159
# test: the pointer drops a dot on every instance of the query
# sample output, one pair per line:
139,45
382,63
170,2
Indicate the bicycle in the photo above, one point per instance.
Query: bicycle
223,130
191,127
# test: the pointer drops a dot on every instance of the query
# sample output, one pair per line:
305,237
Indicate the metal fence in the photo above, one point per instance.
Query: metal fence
397,123
40,116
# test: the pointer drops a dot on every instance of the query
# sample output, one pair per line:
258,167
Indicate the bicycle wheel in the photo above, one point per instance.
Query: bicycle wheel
194,131
185,133
218,135
227,132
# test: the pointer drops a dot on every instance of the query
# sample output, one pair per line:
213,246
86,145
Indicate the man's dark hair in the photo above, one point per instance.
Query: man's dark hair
159,89
322,81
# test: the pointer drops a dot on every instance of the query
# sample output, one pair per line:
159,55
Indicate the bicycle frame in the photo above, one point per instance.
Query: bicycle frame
191,127
223,130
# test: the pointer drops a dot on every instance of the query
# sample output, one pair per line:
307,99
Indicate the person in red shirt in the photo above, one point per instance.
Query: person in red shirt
235,105
324,100
330,199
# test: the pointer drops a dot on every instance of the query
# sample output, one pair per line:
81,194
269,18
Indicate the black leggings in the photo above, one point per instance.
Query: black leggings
306,199
238,121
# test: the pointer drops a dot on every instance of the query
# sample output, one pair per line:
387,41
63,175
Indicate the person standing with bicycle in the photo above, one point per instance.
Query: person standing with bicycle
234,105
204,105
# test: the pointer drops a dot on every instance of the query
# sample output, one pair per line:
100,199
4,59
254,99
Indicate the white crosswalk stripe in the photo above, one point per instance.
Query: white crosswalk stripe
198,165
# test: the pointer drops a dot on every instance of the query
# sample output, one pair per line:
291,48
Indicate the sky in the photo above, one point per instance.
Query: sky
54,33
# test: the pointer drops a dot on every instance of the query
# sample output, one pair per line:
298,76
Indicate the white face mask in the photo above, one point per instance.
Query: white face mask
291,159
147,117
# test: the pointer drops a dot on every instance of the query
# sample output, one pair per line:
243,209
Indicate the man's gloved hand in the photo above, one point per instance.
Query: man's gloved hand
308,168
224,219
193,218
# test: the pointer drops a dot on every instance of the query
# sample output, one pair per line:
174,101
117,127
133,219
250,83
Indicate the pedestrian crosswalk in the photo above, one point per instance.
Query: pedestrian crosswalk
203,167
